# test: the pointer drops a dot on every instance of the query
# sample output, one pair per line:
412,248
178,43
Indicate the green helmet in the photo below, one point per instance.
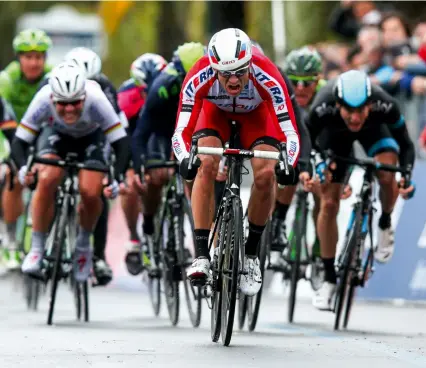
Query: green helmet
303,62
32,40
187,55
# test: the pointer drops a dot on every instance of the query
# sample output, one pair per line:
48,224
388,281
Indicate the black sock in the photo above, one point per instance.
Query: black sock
280,211
329,270
148,224
202,243
385,221
100,231
255,233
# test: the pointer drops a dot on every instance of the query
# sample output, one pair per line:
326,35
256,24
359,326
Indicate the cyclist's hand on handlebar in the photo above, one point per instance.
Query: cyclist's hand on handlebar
347,192
408,192
282,178
137,184
113,189
26,177
306,180
187,174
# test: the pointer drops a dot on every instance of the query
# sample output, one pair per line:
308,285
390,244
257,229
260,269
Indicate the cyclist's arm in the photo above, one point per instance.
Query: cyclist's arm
8,123
38,111
114,133
305,140
273,89
398,128
155,111
5,85
190,104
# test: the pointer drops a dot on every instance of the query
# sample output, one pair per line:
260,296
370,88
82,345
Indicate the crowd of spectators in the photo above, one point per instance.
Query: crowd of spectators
385,44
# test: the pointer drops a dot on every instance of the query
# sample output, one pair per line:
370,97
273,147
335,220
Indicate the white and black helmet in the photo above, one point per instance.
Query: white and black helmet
87,59
229,49
68,82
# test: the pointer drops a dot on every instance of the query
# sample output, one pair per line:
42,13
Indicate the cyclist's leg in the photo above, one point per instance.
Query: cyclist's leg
13,207
212,129
90,208
380,144
50,145
131,206
327,218
259,131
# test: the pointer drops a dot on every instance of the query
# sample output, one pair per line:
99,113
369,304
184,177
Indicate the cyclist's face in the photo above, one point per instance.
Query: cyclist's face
304,89
235,83
355,118
32,64
70,112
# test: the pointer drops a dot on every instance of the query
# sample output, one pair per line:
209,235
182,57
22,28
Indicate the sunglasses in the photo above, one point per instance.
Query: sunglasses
302,81
238,73
66,103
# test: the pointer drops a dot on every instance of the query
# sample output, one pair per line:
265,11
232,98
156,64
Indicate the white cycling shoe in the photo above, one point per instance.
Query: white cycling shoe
324,296
82,264
385,245
199,271
33,261
251,281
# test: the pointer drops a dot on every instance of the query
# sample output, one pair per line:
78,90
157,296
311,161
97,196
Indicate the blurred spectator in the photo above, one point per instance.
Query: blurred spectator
355,58
350,16
331,70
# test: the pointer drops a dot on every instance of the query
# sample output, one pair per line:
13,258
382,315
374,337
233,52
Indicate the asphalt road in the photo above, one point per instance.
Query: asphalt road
123,333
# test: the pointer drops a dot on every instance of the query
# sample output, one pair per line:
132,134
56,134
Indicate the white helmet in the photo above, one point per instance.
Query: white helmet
229,49
68,82
87,59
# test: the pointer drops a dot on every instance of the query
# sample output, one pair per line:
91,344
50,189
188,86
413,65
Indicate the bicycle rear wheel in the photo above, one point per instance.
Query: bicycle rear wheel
85,287
77,299
230,268
346,268
299,235
168,257
58,243
253,303
192,293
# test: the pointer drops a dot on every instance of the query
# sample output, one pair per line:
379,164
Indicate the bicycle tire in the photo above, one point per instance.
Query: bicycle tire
216,297
154,287
253,305
300,235
347,258
192,293
58,246
231,264
171,286
77,299
85,285
349,301
242,310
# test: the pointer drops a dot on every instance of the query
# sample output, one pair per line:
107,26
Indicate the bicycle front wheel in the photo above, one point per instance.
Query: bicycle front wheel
300,237
58,243
230,268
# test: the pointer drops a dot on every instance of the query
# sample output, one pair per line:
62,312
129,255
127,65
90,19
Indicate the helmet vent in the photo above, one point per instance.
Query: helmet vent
237,51
215,53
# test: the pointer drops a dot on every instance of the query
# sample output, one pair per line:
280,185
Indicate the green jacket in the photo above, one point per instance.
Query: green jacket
16,90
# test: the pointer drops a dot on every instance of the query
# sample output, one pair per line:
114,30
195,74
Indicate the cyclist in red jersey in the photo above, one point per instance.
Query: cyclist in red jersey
232,83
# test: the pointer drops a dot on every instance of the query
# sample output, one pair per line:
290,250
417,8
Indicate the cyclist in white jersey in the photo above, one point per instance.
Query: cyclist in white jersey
79,118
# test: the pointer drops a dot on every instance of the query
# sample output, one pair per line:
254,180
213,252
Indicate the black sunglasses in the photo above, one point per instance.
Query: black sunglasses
238,73
65,103
302,82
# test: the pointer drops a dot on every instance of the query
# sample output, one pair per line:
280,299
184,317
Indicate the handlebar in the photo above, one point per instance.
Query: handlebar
370,163
69,164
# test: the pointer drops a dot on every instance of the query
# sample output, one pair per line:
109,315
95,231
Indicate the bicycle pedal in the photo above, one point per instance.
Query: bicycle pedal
200,282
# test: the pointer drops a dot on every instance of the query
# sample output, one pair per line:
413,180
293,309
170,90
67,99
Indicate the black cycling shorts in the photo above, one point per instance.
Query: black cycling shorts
374,139
90,148
158,147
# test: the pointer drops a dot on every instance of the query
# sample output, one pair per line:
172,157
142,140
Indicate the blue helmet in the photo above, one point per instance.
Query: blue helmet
146,68
353,89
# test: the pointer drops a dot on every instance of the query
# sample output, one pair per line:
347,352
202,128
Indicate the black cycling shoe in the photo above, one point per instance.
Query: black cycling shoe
134,259
102,272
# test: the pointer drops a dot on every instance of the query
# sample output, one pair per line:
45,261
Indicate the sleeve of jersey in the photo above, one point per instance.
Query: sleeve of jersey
109,120
36,114
5,85
274,90
194,88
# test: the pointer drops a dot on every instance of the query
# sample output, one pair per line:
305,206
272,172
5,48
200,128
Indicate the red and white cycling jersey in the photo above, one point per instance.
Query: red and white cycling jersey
265,84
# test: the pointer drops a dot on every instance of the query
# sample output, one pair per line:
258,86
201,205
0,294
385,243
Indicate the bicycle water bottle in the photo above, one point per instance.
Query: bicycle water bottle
320,167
